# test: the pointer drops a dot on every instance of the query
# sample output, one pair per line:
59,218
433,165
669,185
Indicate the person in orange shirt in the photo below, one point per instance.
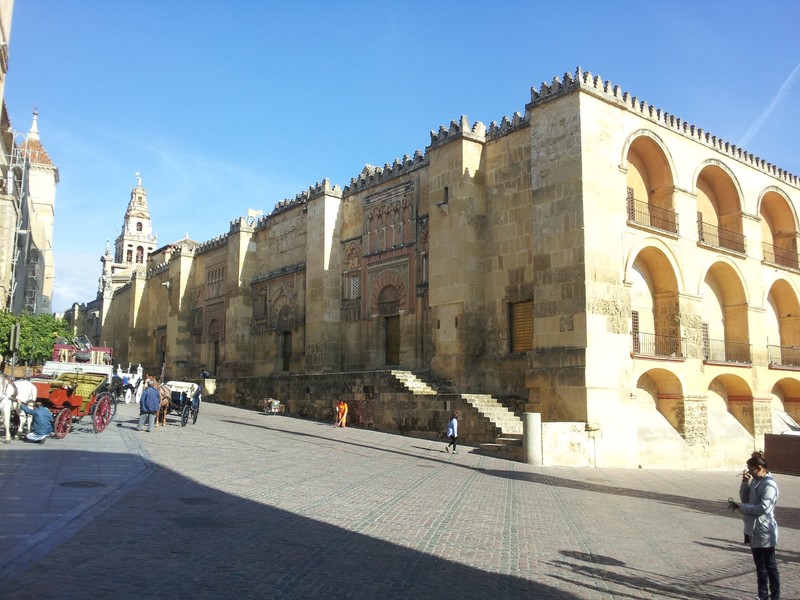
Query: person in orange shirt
341,414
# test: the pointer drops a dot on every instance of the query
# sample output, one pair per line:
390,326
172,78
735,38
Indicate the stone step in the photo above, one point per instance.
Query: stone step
413,383
505,440
503,451
503,419
497,414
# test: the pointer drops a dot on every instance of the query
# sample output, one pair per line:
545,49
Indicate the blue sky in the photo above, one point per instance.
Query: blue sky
227,106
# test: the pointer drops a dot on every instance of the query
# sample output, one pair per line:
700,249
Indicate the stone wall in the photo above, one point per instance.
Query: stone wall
376,400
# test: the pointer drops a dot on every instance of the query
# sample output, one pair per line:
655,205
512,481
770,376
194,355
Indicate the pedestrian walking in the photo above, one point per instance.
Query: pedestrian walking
148,407
452,432
758,493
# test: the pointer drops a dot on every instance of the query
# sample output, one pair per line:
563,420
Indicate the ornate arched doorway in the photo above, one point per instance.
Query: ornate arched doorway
213,341
285,326
389,307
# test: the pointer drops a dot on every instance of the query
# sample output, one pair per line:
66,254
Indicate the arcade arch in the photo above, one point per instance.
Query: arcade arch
650,185
666,392
786,397
783,324
719,209
778,230
724,315
737,397
655,311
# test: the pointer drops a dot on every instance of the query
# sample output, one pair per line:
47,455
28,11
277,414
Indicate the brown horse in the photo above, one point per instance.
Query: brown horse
164,406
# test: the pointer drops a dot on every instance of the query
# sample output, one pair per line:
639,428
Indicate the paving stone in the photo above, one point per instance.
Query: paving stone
241,505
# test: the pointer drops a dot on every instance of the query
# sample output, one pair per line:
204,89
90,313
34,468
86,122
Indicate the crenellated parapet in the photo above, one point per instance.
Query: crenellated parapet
506,126
322,188
371,176
163,267
242,224
295,268
460,129
262,222
595,85
212,244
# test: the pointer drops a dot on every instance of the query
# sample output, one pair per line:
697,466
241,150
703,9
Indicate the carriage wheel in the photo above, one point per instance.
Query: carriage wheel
14,425
185,415
63,423
114,397
101,413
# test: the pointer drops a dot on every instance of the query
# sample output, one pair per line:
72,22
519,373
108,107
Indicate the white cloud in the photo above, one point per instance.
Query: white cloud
783,91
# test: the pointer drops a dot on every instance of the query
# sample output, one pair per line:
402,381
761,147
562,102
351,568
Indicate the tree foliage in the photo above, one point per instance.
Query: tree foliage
38,334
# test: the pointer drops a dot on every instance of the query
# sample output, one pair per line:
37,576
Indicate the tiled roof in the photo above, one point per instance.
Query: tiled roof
36,152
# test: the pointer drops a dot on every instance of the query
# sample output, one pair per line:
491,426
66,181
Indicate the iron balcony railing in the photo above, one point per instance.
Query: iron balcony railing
645,213
654,344
785,356
780,256
726,351
719,237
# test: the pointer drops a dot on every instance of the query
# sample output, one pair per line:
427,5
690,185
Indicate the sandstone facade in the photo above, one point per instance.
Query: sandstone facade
629,276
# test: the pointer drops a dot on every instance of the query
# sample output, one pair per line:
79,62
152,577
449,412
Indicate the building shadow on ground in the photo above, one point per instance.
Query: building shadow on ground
170,536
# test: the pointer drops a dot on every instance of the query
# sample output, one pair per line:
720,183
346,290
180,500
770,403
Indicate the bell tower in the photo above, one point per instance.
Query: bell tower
136,241
133,245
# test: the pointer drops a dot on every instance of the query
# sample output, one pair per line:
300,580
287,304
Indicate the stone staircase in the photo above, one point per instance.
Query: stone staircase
507,445
414,384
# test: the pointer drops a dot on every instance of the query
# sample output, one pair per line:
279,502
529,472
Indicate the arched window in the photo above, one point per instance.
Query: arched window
139,226
139,254
129,255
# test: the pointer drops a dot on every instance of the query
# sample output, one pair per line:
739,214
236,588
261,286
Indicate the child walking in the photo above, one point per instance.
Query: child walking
452,432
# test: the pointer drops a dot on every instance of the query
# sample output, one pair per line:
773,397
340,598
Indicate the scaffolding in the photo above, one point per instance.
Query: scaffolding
16,187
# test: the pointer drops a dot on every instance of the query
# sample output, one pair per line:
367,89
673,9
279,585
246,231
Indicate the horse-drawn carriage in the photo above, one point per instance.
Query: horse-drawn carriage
182,398
273,407
124,387
69,397
72,396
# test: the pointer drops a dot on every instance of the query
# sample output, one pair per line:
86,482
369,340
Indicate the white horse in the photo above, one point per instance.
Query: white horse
26,394
12,392
7,393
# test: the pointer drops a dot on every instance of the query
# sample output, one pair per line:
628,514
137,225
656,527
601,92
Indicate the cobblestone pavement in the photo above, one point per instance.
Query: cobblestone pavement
245,505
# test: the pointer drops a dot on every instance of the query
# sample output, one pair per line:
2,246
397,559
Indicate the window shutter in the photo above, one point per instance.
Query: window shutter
521,326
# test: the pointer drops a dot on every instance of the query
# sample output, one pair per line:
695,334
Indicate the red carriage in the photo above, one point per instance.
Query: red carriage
72,396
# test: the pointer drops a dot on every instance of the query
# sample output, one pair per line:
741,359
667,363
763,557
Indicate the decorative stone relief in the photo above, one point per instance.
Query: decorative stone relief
381,280
352,255
282,314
